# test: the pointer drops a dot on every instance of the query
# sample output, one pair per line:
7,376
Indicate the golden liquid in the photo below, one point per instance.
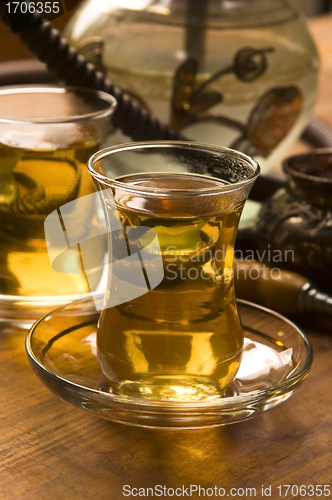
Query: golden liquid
183,340
32,185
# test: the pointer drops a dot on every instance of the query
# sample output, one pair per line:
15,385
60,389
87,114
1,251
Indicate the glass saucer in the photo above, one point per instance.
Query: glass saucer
61,348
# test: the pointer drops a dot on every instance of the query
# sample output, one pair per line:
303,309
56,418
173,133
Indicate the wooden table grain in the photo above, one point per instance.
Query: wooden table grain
52,451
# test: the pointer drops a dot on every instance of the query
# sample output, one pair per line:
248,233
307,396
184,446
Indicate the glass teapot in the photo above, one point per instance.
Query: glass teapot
236,73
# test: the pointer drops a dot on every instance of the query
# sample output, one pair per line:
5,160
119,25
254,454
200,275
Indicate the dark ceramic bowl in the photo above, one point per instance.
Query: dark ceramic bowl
296,221
310,176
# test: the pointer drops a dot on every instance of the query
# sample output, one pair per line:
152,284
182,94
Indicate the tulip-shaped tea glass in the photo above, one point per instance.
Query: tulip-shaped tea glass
47,135
169,328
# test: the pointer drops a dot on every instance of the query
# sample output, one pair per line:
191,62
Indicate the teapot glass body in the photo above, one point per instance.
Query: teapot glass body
240,73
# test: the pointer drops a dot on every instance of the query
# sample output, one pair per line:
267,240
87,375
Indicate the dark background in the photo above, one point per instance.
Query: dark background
314,7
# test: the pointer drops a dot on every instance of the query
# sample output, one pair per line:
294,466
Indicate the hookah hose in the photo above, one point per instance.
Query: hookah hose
72,68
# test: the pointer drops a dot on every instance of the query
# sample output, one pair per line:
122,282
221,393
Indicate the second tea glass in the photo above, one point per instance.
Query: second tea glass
169,329
46,137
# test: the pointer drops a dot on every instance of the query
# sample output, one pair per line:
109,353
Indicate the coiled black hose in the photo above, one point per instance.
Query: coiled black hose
73,69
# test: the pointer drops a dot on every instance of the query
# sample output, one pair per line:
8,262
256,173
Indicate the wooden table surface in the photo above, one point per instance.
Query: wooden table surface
50,450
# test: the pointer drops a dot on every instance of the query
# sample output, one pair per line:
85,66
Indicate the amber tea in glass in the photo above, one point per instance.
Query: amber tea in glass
47,135
181,339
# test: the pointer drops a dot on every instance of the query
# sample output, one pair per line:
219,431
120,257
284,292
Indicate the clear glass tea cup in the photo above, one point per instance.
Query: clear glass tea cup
47,135
169,329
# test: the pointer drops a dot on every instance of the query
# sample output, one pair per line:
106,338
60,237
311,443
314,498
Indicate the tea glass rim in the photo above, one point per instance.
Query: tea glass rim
57,89
169,192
